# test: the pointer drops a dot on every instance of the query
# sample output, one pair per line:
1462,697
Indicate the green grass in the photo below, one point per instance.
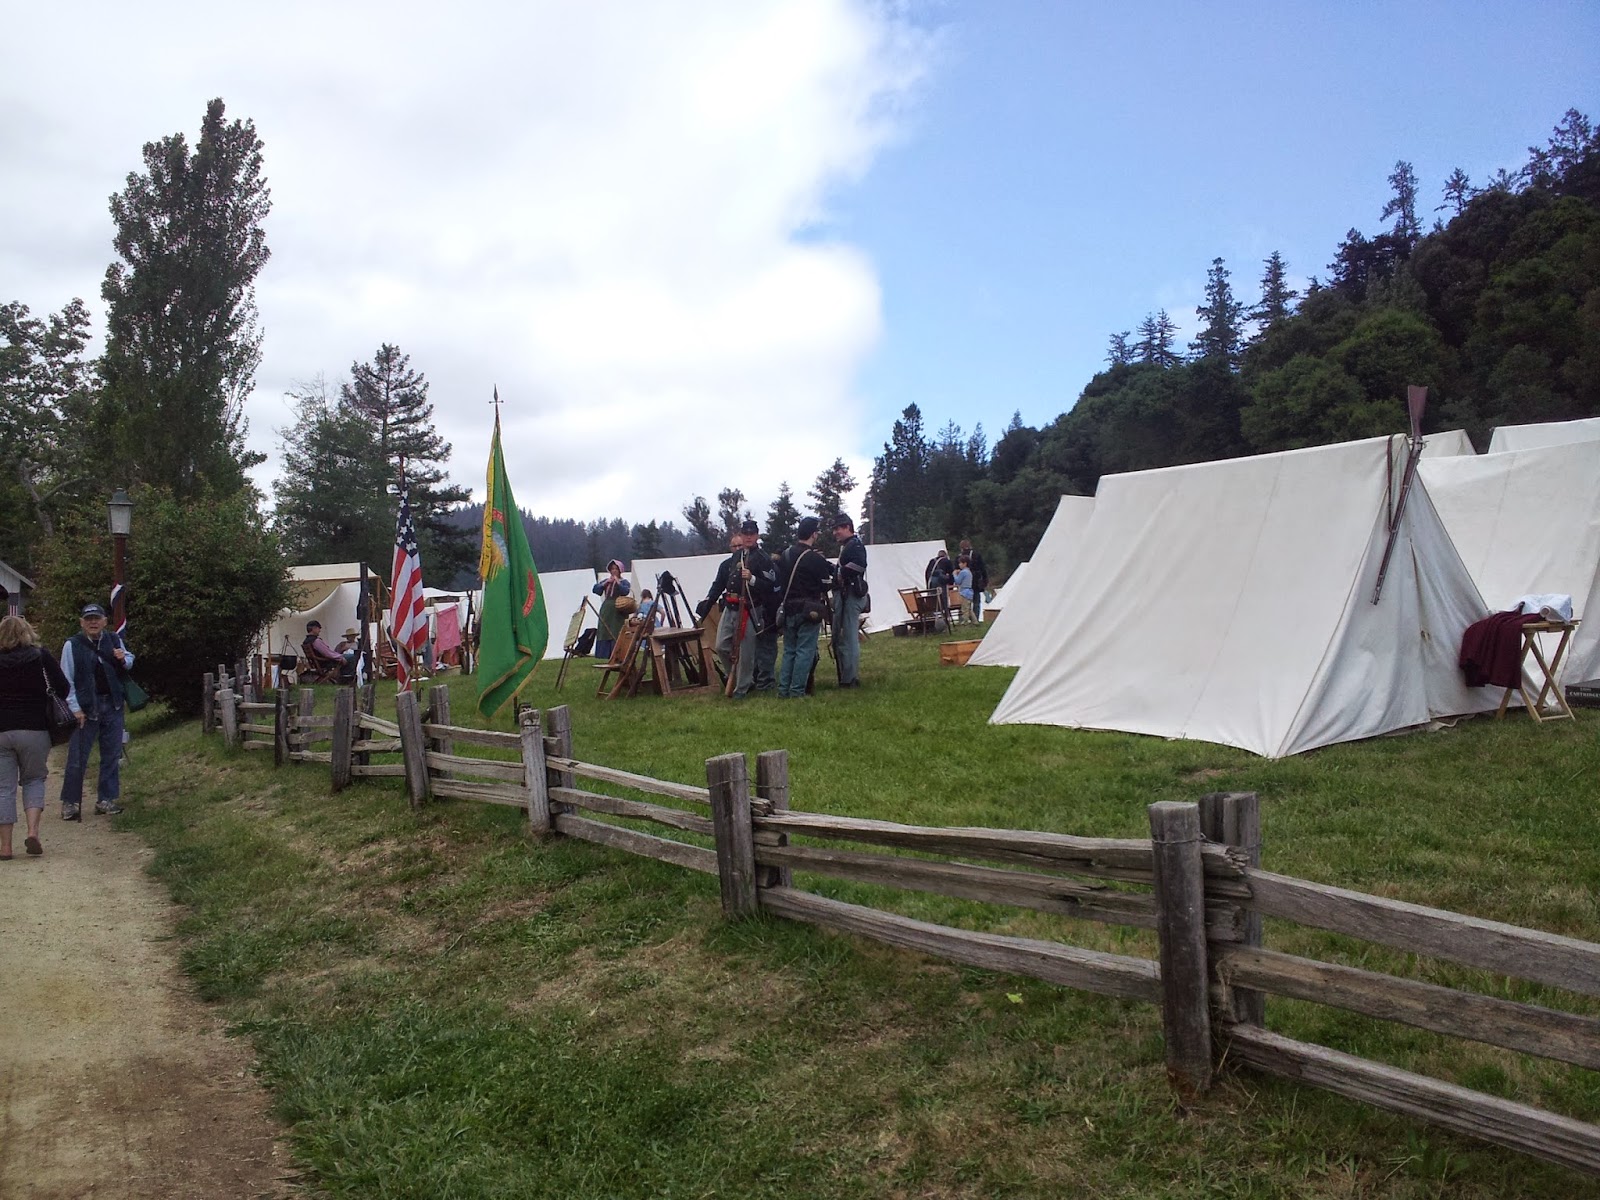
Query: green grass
443,1008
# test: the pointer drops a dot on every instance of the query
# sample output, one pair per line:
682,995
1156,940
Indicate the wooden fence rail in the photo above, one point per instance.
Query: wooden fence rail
1197,881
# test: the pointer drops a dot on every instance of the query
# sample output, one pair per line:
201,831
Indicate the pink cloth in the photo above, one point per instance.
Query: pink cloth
447,629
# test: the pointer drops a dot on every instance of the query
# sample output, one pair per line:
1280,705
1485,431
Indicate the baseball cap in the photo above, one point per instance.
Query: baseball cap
91,610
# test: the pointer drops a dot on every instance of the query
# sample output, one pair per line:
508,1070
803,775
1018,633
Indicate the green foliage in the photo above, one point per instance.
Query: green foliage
182,344
204,575
1222,335
45,399
783,519
827,500
333,502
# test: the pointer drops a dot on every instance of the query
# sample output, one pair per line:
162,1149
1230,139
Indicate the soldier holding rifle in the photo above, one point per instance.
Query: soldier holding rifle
849,601
805,576
744,583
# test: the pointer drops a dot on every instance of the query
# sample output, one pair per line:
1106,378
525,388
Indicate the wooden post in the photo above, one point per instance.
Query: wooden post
1181,928
558,727
208,703
280,727
772,783
1234,819
228,711
535,780
439,714
241,675
729,780
367,702
344,736
308,707
413,747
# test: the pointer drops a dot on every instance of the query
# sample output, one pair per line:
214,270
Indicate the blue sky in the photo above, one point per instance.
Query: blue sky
1071,168
720,243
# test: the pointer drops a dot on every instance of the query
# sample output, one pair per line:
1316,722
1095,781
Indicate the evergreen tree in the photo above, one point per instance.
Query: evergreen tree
1277,297
827,499
1121,351
698,513
1402,206
1222,336
181,339
1457,191
646,541
333,502
1156,335
392,398
45,400
782,519
731,511
900,479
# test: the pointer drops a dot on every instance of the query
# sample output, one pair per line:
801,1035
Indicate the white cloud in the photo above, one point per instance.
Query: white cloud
617,212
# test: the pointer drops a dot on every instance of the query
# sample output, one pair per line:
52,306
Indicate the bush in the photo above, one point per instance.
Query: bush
204,576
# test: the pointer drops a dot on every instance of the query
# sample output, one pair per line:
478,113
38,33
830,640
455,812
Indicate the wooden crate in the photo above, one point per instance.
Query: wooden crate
956,653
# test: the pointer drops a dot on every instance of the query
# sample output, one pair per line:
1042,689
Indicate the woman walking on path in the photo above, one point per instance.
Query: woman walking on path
25,670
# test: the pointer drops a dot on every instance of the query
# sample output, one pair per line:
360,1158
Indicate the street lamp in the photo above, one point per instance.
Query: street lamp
121,509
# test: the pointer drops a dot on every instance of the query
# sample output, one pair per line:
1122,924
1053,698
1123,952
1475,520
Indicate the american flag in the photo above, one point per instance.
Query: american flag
410,629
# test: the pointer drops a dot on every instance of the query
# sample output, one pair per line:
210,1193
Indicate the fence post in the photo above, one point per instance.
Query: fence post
729,781
366,702
344,736
228,711
413,747
208,703
533,773
1181,928
1234,819
280,727
241,675
297,730
558,728
772,784
439,714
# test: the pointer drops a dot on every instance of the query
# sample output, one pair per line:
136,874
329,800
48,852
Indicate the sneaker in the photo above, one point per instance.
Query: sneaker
71,812
108,808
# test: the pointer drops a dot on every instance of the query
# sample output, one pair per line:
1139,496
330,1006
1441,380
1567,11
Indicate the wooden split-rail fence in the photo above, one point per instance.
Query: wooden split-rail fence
1196,881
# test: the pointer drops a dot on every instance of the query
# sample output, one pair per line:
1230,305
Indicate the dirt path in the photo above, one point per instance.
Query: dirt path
115,1081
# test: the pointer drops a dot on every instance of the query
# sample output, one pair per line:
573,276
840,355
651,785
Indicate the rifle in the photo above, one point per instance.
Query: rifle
738,635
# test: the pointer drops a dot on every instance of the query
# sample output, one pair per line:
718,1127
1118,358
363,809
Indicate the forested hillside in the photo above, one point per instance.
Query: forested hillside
1496,310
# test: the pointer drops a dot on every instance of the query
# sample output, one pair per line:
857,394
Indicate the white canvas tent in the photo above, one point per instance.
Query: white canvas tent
1550,433
695,574
1231,602
996,603
1528,521
326,592
1033,599
890,567
564,593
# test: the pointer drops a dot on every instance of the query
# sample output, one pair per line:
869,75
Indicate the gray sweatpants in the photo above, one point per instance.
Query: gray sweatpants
25,756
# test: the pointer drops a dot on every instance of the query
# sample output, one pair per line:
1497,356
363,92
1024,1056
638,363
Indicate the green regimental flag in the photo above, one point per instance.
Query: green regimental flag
515,629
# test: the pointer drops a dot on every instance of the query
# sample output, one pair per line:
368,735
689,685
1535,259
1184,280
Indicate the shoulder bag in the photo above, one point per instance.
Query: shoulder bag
56,713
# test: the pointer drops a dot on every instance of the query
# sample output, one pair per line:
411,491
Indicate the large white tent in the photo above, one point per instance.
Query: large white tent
1032,600
1528,521
1231,602
695,574
996,604
563,593
1550,433
326,592
890,567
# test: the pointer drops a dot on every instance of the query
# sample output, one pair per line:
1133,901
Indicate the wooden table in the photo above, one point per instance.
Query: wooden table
674,653
1549,683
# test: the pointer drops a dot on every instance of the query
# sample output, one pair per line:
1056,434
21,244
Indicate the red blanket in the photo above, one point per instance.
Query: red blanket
1491,649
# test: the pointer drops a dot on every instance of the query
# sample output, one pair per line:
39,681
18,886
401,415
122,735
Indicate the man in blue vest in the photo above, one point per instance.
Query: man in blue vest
95,663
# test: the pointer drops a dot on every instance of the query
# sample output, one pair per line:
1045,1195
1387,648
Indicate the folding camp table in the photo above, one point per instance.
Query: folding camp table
1549,672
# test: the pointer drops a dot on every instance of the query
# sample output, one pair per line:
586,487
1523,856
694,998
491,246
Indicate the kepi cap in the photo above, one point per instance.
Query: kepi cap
807,527
750,527
91,610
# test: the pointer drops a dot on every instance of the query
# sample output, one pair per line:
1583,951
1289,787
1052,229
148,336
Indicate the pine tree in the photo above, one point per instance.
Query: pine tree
782,518
827,498
1457,192
392,398
1121,351
1156,334
1222,335
646,541
333,503
1277,297
1402,206
698,514
182,344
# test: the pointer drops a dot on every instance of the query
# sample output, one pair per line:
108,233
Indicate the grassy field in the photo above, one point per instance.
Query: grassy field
443,1008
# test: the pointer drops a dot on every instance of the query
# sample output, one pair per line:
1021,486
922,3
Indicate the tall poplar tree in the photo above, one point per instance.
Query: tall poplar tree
182,344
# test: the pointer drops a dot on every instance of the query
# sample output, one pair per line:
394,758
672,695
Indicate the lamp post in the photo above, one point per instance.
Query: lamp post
121,509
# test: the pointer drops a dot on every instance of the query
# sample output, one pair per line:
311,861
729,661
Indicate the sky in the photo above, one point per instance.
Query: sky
700,244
